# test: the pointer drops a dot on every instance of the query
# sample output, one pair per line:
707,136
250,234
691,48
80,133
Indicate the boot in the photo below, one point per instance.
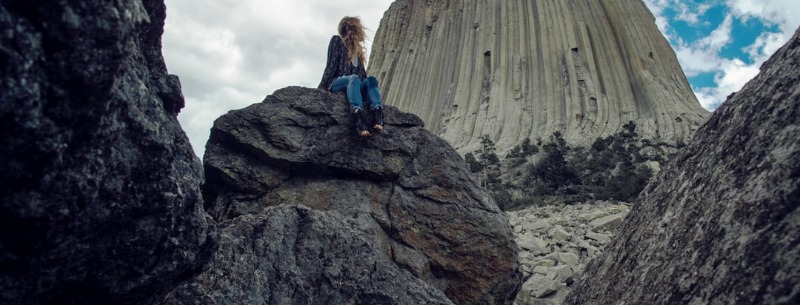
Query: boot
360,123
377,122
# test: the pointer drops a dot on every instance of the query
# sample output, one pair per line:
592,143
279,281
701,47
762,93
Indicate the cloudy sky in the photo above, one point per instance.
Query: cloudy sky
232,53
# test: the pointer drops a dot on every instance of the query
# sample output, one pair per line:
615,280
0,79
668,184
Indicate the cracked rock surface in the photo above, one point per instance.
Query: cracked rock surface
720,224
100,199
296,255
405,192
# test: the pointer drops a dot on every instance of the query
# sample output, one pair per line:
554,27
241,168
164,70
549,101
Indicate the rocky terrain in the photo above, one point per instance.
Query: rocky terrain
517,69
103,202
292,254
557,241
402,202
721,223
100,198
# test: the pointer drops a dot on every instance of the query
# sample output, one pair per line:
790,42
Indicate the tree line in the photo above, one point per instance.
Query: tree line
535,172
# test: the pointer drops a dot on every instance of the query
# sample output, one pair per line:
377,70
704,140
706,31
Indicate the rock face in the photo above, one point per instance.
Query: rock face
404,192
295,255
514,69
556,243
100,198
720,224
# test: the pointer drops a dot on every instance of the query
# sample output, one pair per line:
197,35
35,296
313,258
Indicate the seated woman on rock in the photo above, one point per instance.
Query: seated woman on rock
345,72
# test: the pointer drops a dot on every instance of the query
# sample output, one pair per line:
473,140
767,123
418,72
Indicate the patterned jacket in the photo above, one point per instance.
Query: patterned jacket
338,64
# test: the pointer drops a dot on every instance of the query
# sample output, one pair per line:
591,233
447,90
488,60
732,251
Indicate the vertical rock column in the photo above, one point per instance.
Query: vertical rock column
517,69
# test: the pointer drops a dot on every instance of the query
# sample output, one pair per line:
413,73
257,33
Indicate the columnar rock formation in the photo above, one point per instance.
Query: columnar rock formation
401,201
720,224
515,69
100,198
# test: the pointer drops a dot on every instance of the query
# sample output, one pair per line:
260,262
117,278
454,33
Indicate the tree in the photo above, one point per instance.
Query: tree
474,165
527,149
488,155
552,170
491,164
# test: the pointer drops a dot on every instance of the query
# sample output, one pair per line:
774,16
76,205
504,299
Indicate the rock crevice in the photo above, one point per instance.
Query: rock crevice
720,223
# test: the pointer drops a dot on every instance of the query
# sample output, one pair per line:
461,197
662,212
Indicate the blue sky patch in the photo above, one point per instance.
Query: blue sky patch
744,34
702,80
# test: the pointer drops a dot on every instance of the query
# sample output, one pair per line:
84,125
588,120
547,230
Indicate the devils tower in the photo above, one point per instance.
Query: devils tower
517,69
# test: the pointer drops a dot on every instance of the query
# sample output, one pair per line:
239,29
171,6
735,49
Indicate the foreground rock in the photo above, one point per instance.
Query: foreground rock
405,192
100,197
721,224
295,255
556,243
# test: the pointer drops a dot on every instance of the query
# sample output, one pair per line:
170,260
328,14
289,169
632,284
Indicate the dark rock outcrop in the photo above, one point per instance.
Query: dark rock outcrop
100,198
296,255
405,192
721,224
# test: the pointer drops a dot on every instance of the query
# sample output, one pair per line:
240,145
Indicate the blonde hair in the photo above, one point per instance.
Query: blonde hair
352,33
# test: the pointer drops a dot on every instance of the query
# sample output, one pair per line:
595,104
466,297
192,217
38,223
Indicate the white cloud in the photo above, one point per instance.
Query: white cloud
691,12
785,14
719,37
704,55
732,76
230,54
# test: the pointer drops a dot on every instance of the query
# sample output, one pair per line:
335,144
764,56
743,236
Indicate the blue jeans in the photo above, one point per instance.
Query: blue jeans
357,89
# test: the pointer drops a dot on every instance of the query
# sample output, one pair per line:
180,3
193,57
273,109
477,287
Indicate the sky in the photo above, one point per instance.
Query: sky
233,53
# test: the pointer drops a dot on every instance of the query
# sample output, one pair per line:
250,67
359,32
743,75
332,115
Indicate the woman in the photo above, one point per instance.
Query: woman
345,72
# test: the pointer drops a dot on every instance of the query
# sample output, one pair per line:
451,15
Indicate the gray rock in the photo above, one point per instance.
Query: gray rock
591,251
593,215
540,287
574,253
719,224
602,238
608,223
570,259
100,198
560,273
533,245
537,226
547,262
540,270
295,255
405,188
559,234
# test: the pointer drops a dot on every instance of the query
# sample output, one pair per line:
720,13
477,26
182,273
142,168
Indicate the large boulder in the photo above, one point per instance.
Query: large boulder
406,190
720,224
295,255
100,198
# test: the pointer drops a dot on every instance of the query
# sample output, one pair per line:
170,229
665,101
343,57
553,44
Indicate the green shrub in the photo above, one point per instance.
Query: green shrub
613,168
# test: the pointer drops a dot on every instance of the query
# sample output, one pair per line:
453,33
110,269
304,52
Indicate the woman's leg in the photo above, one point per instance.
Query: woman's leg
369,88
351,84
